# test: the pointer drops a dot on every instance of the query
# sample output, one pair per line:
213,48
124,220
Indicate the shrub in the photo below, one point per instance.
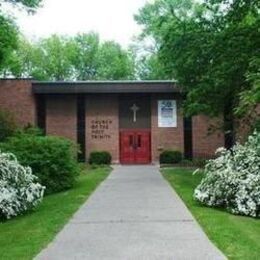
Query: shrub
18,190
7,125
29,130
199,162
170,156
100,157
52,159
233,179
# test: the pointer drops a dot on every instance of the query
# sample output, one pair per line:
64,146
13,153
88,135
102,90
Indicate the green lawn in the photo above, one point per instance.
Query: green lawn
236,236
23,237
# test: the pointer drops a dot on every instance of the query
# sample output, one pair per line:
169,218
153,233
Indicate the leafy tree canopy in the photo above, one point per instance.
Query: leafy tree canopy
8,39
9,31
29,4
114,62
208,47
81,57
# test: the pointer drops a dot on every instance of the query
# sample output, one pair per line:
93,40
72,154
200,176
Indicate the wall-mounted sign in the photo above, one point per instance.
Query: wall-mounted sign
167,113
99,129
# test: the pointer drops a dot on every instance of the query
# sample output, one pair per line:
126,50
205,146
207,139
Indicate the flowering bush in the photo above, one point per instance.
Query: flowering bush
233,179
18,190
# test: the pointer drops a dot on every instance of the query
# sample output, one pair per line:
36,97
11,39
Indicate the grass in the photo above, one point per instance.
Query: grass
23,237
237,237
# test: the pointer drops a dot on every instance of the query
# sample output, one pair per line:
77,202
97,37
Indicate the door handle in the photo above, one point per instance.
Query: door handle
135,143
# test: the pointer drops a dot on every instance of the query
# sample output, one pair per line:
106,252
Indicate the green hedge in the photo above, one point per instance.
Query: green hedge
7,125
170,156
52,159
100,158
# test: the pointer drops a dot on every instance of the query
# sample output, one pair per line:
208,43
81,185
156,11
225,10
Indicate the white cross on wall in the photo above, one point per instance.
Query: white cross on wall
134,108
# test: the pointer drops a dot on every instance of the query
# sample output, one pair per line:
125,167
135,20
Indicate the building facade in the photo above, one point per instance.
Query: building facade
133,120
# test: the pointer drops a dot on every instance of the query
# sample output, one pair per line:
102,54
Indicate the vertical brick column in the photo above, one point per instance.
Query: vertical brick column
61,116
16,97
164,138
205,143
102,125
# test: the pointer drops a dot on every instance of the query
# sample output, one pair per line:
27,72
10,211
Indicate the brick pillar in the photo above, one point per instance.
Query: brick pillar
102,125
165,138
61,116
16,97
204,142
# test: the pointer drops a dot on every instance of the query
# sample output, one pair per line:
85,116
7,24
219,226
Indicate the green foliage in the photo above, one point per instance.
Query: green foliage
52,59
207,46
29,4
8,39
52,159
170,156
9,33
7,125
250,98
81,57
100,158
113,62
149,67
29,130
84,56
199,162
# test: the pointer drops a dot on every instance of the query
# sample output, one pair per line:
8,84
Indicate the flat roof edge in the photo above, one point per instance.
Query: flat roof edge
102,92
105,87
87,82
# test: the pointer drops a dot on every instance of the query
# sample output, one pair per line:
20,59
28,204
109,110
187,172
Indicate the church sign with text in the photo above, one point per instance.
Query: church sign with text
167,113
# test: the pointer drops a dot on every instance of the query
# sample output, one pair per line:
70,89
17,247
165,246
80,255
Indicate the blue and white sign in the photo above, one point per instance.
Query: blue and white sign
167,113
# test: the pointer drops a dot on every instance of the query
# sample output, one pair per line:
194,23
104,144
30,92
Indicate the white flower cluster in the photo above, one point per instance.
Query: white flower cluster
233,179
18,190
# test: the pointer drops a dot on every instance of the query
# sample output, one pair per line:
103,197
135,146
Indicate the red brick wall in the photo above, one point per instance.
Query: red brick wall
102,112
61,116
163,138
205,143
61,120
17,98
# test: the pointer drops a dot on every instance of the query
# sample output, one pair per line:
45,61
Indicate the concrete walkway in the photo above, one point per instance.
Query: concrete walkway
134,214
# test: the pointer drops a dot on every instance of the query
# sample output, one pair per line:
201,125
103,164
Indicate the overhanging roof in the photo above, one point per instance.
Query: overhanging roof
74,87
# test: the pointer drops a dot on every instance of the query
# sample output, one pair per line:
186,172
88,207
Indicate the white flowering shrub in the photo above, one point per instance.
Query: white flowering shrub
18,190
233,179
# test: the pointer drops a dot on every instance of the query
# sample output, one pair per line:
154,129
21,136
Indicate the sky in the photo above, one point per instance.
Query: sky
111,19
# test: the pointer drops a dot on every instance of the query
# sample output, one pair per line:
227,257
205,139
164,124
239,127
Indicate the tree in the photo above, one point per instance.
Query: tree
81,57
207,47
9,31
114,63
149,67
248,108
29,5
51,59
19,61
84,57
8,40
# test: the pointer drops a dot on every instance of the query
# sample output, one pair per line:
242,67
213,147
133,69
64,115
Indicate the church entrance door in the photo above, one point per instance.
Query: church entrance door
135,146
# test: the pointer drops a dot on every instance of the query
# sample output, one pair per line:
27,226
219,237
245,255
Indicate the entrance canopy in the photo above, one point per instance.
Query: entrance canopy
74,87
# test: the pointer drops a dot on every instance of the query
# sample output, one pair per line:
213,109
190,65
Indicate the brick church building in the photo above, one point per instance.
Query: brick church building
133,120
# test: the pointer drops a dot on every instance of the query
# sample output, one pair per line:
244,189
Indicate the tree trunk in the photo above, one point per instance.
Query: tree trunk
229,124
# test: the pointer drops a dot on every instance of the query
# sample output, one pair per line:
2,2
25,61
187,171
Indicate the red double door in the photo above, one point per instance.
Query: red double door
135,146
